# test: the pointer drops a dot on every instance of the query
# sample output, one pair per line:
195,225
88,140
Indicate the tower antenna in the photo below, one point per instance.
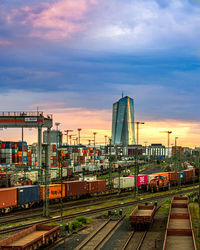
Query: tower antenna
122,94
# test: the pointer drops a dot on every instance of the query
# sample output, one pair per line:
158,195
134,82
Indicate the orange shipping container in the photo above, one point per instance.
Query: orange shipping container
54,191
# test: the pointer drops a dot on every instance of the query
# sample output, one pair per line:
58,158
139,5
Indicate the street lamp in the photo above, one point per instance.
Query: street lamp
79,139
94,133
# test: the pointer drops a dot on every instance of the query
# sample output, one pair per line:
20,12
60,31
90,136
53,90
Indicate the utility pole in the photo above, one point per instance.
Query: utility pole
110,164
79,144
168,138
136,173
175,155
94,150
67,133
57,144
60,161
23,154
105,139
146,150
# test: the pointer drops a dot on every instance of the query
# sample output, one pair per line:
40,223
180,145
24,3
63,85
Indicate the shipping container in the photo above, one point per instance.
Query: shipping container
124,183
8,198
54,191
27,194
142,179
75,188
92,186
101,186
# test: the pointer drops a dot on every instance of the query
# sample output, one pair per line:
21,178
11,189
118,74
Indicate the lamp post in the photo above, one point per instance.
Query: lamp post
57,144
94,133
105,139
175,155
79,139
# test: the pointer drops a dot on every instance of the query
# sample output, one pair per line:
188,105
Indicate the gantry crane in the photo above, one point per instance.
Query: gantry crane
168,137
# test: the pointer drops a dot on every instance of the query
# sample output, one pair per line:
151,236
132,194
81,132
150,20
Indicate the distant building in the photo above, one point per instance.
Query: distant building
177,150
156,151
56,137
123,122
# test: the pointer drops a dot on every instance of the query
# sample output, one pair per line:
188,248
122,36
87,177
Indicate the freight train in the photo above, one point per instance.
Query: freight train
28,196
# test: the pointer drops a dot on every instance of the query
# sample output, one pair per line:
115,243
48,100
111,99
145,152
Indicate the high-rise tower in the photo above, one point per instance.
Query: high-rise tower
123,122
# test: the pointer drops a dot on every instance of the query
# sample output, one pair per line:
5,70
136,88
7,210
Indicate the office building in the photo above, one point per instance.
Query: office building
123,122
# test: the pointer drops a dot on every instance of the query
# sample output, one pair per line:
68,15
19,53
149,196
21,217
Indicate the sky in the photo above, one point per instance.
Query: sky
73,59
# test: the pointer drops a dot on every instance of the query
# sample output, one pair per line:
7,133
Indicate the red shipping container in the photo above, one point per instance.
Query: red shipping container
8,197
75,188
92,186
101,185
96,186
3,145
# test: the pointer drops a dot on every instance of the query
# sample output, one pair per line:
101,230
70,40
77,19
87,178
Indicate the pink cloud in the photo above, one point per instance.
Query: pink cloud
4,43
58,20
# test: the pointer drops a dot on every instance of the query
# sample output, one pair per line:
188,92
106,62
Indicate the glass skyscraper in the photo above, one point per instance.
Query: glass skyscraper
123,122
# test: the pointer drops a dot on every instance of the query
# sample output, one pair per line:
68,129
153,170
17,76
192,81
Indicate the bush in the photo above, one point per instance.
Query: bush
82,219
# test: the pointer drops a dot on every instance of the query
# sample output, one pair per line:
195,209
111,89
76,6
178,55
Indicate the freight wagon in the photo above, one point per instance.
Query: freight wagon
35,237
75,189
8,200
96,187
54,191
179,233
27,196
142,216
124,183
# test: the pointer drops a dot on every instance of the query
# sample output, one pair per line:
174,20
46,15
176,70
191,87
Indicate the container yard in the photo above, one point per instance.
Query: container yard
117,193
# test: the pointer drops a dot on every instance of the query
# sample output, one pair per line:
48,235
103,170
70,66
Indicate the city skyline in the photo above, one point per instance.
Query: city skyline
74,58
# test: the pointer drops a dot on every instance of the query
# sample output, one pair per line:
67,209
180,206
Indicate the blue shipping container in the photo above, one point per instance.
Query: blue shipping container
27,194
24,158
181,175
24,144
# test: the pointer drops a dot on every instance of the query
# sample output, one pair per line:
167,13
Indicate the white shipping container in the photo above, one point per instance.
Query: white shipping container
125,182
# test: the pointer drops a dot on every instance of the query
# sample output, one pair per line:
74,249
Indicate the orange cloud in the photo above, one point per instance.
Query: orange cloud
96,120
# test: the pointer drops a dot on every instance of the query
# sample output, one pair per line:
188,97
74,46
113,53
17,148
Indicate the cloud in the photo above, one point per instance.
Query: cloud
54,21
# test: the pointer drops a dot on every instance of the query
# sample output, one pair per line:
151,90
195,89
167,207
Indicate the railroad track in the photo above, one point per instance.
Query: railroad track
92,211
135,240
95,240
12,218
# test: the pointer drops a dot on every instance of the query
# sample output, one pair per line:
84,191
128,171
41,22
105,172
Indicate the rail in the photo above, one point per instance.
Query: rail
93,211
108,226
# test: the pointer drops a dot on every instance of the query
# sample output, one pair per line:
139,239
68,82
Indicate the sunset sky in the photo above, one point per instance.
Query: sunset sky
73,58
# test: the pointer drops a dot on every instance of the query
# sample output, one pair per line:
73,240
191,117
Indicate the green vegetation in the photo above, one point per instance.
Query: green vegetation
78,222
164,209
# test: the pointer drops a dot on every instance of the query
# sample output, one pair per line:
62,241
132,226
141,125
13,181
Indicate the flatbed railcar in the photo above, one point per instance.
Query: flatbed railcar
179,233
34,237
142,216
